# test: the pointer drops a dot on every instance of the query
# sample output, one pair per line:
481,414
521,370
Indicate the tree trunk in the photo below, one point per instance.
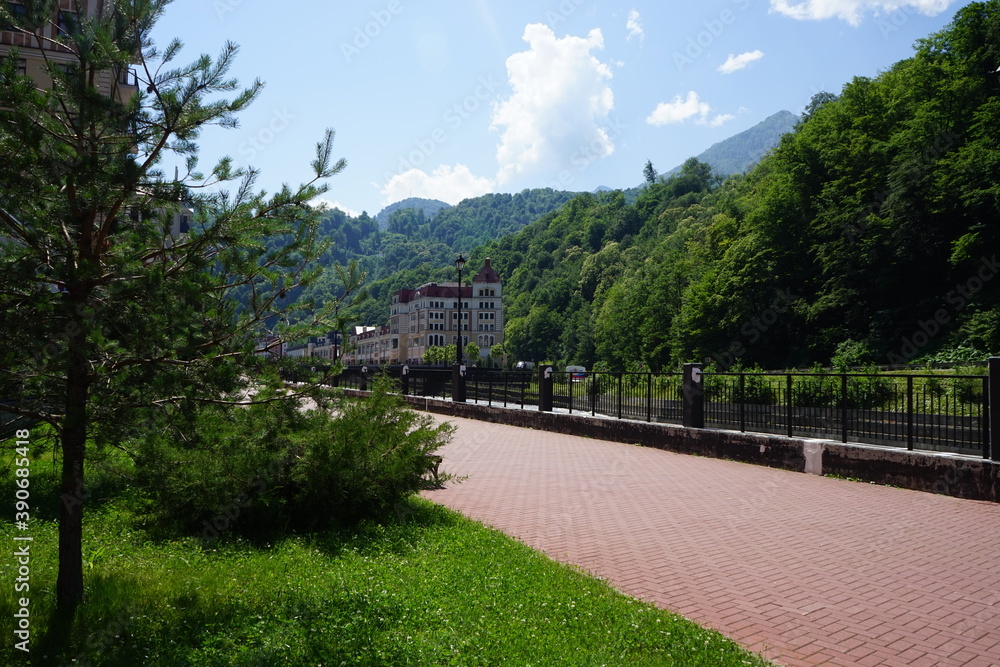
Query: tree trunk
69,585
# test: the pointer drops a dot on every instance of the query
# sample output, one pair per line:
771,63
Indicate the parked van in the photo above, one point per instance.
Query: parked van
576,373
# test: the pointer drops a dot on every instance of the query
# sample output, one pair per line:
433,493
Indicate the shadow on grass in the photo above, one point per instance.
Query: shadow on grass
396,533
121,624
103,484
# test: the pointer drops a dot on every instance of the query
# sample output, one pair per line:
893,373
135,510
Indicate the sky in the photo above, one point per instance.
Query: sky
450,100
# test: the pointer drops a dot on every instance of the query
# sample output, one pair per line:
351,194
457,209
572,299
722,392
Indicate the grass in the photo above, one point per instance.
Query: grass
428,587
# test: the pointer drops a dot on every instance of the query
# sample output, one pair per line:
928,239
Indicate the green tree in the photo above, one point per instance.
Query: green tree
817,101
649,172
472,353
105,315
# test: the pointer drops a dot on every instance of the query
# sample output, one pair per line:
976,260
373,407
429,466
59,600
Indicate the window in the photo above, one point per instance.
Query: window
66,21
18,11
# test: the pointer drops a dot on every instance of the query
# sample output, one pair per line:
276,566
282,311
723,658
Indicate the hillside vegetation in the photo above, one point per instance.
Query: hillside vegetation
407,246
869,235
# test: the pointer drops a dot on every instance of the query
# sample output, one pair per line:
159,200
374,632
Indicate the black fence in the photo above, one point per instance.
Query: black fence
936,412
942,412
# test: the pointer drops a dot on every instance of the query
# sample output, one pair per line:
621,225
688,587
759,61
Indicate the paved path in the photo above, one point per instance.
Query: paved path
805,570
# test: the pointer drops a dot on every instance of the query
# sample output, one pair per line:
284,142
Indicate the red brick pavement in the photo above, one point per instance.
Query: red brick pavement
802,569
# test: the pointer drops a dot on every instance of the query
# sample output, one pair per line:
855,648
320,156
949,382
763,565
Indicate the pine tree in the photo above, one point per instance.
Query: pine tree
106,309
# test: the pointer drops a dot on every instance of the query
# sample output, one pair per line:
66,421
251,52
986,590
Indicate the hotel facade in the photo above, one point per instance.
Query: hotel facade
428,316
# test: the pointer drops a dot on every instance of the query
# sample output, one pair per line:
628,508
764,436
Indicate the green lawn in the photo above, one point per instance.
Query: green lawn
426,588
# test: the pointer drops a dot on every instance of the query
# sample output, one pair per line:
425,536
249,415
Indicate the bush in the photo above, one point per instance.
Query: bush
363,461
217,468
869,391
265,468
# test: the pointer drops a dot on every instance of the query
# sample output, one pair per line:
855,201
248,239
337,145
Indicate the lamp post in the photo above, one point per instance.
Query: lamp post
460,264
457,375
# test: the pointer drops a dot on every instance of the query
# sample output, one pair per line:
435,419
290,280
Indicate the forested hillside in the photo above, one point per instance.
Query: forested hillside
870,234
412,247
430,207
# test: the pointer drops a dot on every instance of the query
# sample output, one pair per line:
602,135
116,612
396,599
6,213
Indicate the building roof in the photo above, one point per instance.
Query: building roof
487,274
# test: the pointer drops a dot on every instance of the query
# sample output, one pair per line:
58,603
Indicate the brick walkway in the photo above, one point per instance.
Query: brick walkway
802,569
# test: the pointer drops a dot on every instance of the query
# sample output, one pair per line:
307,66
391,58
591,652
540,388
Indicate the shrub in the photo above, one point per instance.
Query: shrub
264,468
215,469
869,391
364,460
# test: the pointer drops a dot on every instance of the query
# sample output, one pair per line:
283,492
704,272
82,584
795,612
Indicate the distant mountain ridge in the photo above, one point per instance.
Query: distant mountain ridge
740,152
735,155
430,207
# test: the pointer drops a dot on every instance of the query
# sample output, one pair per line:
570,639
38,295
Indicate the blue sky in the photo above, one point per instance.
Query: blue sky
451,100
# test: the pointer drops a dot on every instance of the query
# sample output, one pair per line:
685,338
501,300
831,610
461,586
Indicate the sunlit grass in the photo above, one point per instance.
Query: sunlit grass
426,588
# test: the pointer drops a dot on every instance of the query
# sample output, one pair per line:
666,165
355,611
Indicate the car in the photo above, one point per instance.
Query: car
524,366
576,373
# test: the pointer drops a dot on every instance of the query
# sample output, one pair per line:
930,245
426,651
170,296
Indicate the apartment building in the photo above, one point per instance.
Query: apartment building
370,345
428,316
421,318
319,347
41,51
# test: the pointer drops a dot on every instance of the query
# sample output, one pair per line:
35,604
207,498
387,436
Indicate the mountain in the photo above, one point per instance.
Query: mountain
740,152
430,207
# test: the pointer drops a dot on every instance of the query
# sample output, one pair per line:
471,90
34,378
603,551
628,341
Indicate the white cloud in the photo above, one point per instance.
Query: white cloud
852,10
553,119
721,119
447,183
680,110
634,26
330,205
736,63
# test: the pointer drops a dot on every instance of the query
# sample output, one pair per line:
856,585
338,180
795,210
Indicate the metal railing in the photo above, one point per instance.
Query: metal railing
949,413
936,412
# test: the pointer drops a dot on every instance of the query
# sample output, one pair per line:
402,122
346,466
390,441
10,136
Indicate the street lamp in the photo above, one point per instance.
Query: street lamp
460,264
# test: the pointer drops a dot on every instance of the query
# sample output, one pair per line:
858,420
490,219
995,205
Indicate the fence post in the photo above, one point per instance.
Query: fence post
621,380
458,383
790,404
593,387
649,397
545,389
743,401
694,396
843,407
995,408
909,412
